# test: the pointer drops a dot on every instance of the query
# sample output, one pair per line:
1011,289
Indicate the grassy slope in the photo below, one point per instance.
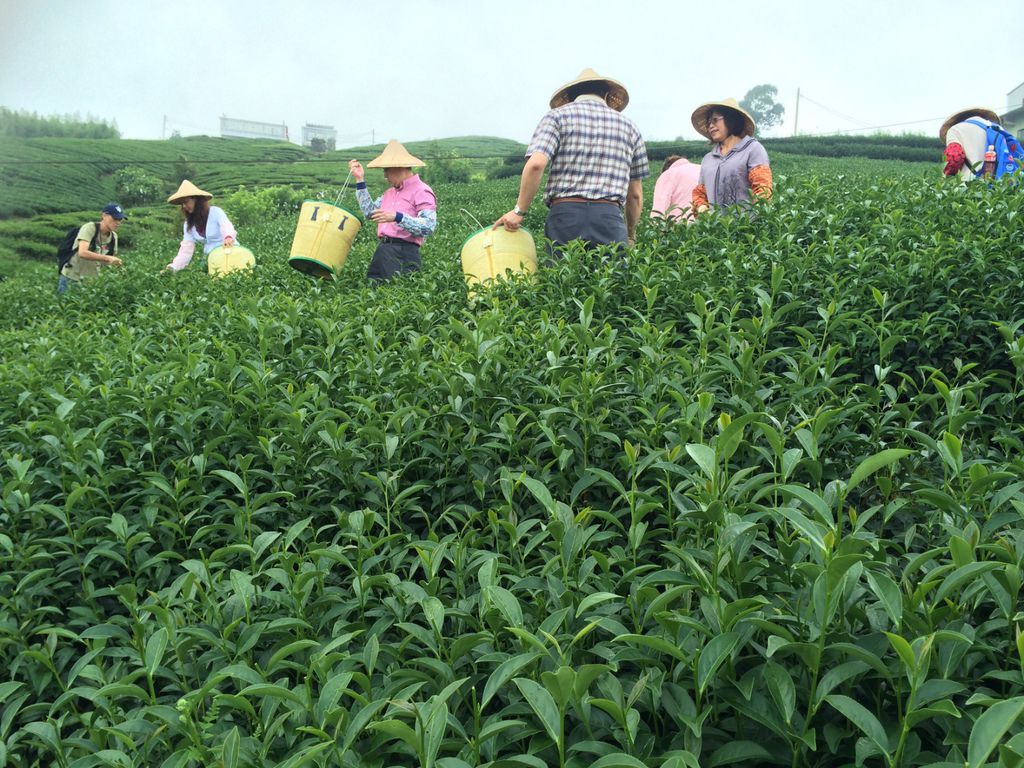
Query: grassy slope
477,147
52,175
55,175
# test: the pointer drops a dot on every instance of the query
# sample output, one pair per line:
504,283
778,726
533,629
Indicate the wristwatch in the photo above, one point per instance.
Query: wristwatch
518,211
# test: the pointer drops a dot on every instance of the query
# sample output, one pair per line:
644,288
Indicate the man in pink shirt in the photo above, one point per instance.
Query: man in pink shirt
674,188
405,214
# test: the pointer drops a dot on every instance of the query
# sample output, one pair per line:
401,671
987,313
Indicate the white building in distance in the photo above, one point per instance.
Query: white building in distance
312,131
1013,118
233,128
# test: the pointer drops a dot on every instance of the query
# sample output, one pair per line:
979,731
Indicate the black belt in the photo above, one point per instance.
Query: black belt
583,200
396,241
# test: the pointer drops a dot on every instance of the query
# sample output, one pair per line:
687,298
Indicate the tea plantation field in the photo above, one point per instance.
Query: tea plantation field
750,495
54,175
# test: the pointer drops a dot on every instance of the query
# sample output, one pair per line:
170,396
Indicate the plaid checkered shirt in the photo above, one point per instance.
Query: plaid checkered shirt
593,151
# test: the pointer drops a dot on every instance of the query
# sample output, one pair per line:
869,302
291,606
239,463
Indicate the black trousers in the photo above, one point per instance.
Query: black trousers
392,259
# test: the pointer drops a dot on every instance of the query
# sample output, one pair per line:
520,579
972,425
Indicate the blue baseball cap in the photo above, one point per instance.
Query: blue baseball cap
114,210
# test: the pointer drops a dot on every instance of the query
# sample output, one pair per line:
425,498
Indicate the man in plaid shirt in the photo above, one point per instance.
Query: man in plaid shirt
598,163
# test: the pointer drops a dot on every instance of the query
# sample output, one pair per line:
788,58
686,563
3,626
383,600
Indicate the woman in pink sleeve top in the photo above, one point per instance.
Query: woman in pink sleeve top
204,223
674,189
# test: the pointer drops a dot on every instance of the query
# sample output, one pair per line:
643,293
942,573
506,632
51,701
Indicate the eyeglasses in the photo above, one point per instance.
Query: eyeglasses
713,120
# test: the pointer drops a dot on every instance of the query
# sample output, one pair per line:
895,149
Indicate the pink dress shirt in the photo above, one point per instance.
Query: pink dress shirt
408,199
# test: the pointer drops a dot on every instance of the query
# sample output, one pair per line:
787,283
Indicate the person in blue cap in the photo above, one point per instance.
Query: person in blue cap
95,248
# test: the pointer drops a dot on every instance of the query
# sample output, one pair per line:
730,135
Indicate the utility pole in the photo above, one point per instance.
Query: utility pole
373,136
163,132
796,117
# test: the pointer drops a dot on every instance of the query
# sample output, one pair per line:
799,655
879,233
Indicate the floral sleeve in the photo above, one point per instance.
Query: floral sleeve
366,204
421,225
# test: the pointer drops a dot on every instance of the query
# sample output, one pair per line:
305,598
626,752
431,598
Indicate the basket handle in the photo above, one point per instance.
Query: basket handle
344,189
467,215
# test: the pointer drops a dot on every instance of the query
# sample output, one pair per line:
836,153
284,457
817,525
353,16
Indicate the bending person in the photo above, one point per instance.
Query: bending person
204,223
95,247
405,214
673,191
965,135
736,169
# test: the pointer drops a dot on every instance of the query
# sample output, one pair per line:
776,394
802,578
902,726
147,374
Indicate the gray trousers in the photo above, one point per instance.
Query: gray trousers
594,223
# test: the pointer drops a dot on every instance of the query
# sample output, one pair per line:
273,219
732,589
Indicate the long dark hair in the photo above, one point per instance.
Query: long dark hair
200,213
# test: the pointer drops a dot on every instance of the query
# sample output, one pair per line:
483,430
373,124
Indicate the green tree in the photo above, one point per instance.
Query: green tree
761,104
511,165
183,168
31,125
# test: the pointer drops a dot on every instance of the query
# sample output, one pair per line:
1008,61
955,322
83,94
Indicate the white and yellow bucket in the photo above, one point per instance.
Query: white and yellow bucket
323,238
224,259
491,254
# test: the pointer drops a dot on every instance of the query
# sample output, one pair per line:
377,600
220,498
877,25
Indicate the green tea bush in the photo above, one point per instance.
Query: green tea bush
446,167
257,206
136,186
749,493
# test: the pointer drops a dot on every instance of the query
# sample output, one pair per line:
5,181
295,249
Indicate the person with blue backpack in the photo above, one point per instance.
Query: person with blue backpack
968,135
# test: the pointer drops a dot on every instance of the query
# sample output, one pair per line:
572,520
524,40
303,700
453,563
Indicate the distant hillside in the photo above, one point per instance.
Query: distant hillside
473,147
909,148
54,175
50,175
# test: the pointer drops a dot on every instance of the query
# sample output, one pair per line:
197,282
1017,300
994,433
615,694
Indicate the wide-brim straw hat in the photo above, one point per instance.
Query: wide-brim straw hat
185,191
962,115
618,97
699,118
395,156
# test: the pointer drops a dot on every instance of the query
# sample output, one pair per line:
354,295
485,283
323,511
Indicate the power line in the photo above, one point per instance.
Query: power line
805,97
864,126
893,125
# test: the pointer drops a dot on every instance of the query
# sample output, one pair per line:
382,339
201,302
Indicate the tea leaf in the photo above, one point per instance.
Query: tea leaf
713,655
857,714
543,706
990,727
872,464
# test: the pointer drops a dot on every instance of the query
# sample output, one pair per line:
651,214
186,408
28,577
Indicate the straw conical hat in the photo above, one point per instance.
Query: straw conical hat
394,156
187,190
618,97
962,115
699,118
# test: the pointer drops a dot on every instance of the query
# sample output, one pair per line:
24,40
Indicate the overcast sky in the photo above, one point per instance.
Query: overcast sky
435,68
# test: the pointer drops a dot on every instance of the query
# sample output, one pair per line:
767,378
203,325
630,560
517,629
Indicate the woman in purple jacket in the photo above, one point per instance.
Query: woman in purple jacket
736,168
